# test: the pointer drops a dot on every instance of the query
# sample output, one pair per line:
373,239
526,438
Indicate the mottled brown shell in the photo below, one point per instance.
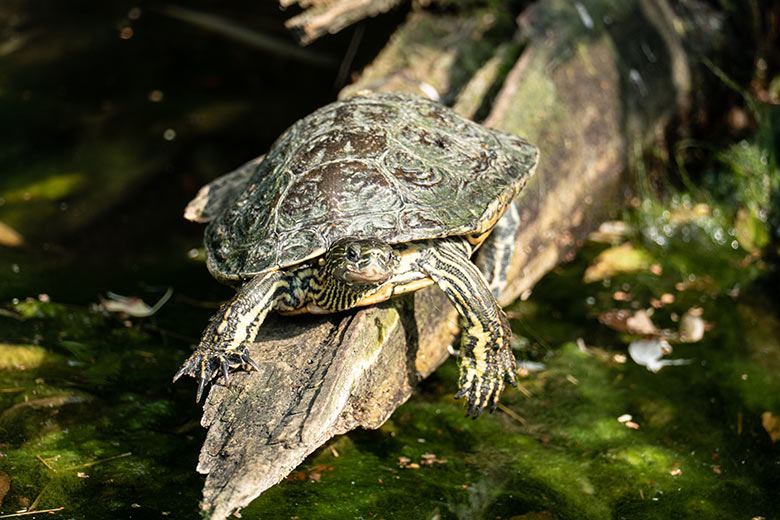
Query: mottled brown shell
387,165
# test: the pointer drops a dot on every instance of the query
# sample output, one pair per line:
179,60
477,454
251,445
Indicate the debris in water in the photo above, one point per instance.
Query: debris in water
9,237
692,326
637,322
132,305
648,353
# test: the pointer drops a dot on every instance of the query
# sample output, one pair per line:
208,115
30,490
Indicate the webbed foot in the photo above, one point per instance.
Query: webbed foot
482,386
205,363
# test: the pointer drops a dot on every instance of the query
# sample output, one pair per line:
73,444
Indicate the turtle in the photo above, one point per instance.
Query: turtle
367,198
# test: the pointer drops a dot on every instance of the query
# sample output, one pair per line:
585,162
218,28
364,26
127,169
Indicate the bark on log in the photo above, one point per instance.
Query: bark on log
592,84
331,16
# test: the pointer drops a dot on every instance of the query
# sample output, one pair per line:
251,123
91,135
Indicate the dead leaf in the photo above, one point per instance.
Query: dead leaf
640,323
5,485
771,424
132,305
622,320
692,326
9,237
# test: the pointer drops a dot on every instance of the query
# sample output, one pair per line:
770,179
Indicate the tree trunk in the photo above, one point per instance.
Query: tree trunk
594,82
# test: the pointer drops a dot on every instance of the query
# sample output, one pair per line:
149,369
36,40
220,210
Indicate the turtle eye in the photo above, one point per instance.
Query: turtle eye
352,254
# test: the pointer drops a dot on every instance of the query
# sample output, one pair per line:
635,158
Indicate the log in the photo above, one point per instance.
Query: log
331,16
591,86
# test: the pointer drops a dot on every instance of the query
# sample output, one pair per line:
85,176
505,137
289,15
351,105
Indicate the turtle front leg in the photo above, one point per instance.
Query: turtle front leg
223,343
486,359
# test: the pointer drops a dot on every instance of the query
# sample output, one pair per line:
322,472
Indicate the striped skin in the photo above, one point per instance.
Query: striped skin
495,256
333,284
351,270
357,272
486,359
222,344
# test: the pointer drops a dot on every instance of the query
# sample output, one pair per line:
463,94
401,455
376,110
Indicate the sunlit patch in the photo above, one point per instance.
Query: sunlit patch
23,357
52,187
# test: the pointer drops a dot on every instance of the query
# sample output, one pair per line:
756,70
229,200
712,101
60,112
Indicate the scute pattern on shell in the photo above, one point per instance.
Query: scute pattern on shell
388,165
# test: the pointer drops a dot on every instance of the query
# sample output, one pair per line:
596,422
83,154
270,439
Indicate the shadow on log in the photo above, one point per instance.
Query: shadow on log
590,88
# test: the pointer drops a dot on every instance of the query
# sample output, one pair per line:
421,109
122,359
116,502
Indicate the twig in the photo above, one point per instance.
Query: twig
349,55
38,498
25,513
511,413
243,34
523,390
43,461
11,314
94,462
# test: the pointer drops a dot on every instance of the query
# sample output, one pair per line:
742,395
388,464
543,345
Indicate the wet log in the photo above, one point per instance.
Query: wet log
591,86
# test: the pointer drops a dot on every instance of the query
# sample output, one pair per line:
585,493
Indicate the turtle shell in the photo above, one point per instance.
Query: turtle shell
388,165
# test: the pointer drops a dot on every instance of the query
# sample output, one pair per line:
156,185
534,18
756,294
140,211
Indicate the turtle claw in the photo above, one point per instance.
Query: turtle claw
179,373
482,388
246,360
483,392
225,369
476,398
205,363
201,386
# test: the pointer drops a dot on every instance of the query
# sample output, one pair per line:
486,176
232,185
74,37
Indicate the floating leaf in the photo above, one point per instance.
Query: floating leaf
619,259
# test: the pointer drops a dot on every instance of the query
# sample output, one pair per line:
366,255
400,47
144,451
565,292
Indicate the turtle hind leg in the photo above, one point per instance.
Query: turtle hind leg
486,359
495,255
223,343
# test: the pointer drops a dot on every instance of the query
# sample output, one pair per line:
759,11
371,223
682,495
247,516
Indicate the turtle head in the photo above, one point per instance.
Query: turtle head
361,261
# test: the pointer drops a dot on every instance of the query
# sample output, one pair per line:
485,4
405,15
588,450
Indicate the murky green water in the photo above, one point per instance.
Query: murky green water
110,136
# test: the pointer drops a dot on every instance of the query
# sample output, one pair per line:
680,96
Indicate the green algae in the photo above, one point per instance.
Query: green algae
74,434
